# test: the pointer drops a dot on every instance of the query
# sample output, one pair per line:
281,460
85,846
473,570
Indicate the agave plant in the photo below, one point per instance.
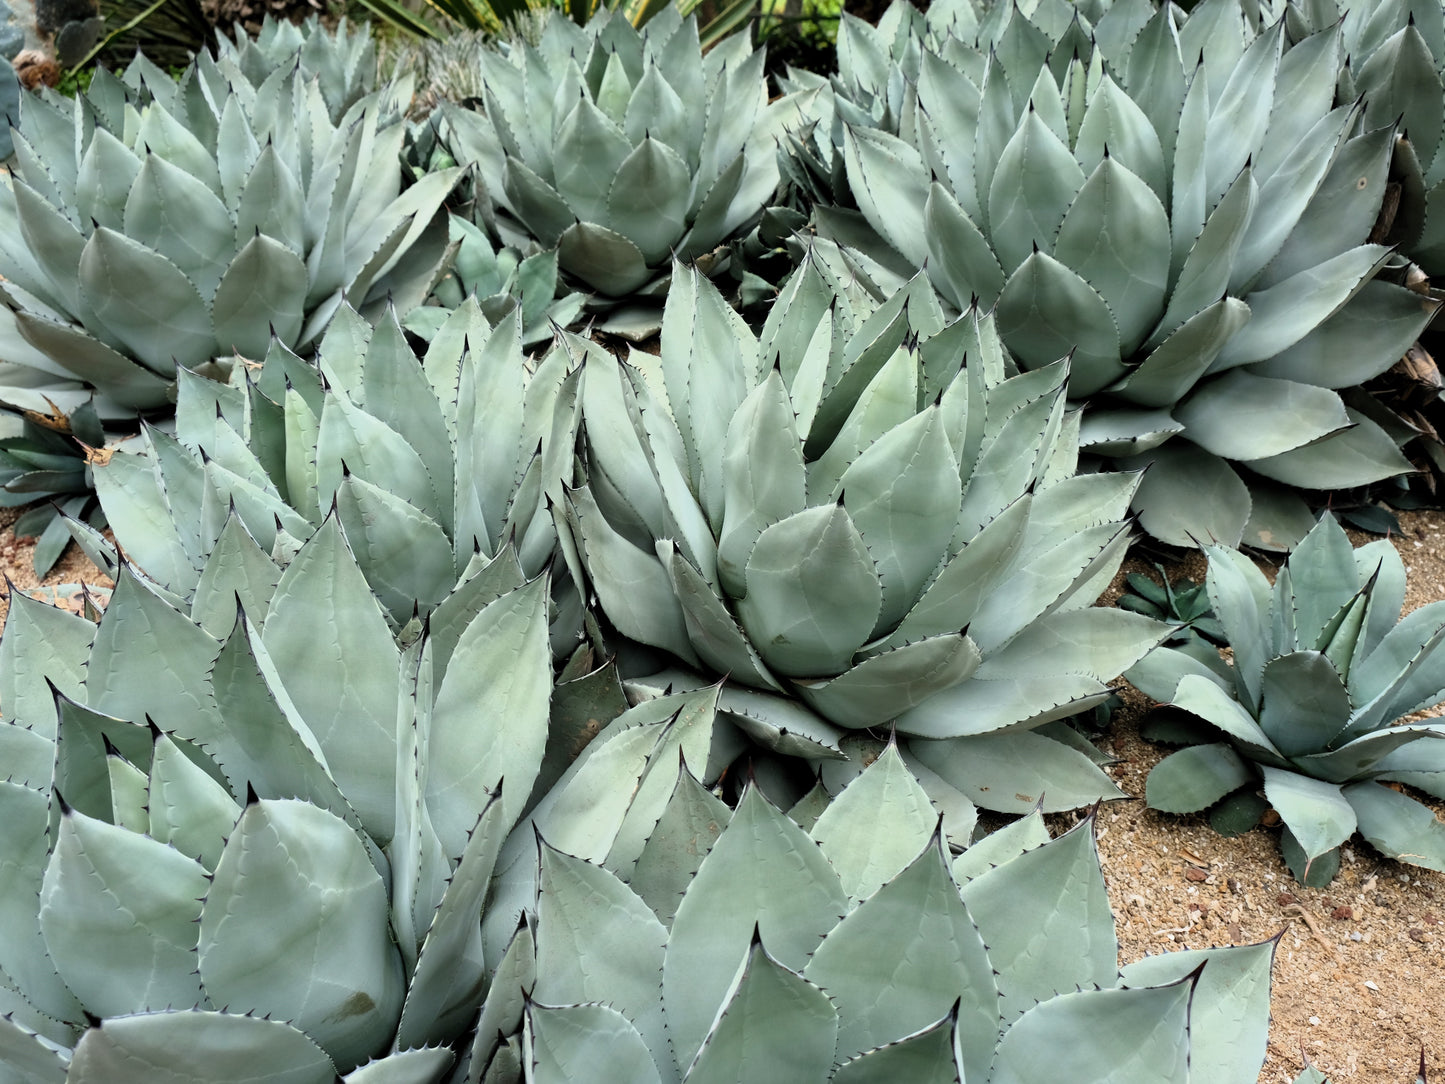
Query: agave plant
342,59
1311,708
1190,220
501,279
155,224
859,531
110,284
432,466
847,944
879,68
1184,604
621,148
259,854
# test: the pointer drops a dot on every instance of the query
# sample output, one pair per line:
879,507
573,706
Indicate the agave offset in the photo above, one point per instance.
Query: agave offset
1309,716
1190,216
621,148
844,945
859,529
431,464
259,854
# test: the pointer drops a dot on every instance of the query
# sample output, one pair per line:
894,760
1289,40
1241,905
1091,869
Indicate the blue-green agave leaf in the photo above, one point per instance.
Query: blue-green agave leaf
337,973
1112,1036
772,1019
1054,936
1397,825
1196,777
119,913
572,1042
198,1048
763,873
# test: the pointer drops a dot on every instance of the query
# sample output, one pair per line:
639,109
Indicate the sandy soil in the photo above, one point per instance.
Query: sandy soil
1359,978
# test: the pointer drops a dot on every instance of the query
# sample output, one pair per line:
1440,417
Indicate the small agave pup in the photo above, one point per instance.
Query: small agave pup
258,855
839,942
860,530
622,148
1309,710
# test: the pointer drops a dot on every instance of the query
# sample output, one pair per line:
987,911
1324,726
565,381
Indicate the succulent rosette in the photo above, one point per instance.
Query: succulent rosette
624,149
1185,211
844,514
1310,716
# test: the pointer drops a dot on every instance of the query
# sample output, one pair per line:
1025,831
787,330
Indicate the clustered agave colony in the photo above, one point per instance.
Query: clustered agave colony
477,704
1190,220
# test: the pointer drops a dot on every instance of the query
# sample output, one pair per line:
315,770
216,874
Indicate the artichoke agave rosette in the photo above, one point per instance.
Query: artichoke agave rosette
993,965
153,224
260,853
342,58
434,466
622,148
1193,230
837,516
1324,668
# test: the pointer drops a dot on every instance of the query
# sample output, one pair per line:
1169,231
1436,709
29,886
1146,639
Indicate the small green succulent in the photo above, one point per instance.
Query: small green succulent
1308,711
501,279
47,459
843,942
1183,603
